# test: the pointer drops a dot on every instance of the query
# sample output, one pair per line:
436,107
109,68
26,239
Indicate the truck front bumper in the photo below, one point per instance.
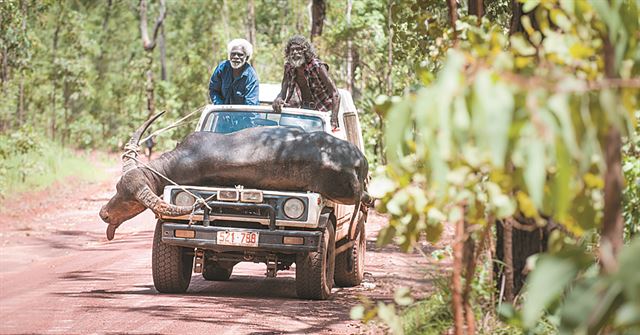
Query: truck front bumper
268,240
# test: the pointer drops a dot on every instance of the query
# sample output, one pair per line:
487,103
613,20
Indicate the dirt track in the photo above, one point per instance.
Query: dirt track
59,275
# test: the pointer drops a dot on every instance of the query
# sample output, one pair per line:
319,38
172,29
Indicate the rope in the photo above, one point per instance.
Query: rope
199,199
173,125
130,151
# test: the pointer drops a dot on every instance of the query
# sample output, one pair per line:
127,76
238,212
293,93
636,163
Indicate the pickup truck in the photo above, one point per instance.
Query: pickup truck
277,227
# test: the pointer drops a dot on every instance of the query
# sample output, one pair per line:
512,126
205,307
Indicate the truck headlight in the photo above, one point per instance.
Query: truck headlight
184,199
228,195
251,196
293,208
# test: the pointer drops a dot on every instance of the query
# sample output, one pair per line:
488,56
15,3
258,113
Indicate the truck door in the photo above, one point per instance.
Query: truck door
344,212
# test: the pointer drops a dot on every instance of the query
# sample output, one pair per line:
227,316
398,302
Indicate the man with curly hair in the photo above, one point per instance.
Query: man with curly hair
306,82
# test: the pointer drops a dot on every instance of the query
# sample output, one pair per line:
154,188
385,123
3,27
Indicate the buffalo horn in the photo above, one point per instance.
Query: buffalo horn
127,162
159,206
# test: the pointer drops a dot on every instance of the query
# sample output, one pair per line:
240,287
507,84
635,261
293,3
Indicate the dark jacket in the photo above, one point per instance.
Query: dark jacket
225,90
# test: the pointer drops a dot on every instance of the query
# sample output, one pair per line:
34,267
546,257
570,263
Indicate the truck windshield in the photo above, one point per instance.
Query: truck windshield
228,122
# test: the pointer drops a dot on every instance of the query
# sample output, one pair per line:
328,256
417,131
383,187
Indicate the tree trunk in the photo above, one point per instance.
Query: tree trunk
611,240
513,247
516,19
225,22
163,55
318,10
390,48
251,22
4,75
101,65
349,48
54,49
148,45
453,16
456,280
21,107
476,7
21,112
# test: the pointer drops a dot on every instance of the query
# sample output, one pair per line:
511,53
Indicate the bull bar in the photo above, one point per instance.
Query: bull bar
205,235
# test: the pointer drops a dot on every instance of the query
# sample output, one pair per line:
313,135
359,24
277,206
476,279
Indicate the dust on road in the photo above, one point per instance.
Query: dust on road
60,275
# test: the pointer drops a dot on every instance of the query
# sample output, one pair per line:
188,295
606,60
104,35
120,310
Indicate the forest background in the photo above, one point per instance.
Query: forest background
556,77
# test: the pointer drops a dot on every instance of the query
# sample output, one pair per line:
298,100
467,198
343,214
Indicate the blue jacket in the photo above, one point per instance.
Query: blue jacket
225,90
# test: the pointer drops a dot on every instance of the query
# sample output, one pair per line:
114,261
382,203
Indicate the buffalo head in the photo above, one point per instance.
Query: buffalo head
134,190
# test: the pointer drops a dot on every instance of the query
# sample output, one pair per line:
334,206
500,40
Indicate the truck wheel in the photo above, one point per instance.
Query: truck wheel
314,270
171,265
350,263
216,273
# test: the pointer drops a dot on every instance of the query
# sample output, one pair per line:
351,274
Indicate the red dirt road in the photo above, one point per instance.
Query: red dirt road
60,275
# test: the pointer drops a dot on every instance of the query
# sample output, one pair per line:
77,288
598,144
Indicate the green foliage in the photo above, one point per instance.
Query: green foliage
515,125
28,162
494,123
631,196
581,298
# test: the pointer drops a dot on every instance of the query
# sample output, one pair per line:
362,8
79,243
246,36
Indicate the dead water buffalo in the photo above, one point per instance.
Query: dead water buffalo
275,158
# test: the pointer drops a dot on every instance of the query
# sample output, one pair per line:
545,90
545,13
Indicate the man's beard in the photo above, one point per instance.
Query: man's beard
237,65
296,62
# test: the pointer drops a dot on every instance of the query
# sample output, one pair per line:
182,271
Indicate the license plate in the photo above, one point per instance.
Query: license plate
246,239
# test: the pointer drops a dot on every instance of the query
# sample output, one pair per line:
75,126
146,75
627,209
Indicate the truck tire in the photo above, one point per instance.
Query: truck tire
216,273
171,266
350,263
314,270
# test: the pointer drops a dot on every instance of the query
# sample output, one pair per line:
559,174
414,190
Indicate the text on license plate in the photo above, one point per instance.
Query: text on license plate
238,238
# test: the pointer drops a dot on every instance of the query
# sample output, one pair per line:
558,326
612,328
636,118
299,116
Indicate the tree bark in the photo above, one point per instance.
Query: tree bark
613,225
148,45
54,49
453,16
225,22
476,7
150,87
516,19
101,65
4,75
21,107
349,48
251,22
509,289
318,11
456,279
390,48
163,55
21,110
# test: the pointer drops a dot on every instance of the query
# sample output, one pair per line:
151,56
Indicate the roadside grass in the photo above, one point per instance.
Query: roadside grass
39,168
433,315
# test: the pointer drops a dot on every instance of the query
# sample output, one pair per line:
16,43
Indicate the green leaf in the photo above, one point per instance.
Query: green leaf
629,273
535,172
398,121
433,232
492,115
357,312
545,284
559,105
561,20
381,186
387,313
402,296
562,182
589,306
529,5
522,46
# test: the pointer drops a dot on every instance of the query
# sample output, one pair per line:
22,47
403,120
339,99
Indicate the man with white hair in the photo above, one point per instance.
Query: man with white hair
234,81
